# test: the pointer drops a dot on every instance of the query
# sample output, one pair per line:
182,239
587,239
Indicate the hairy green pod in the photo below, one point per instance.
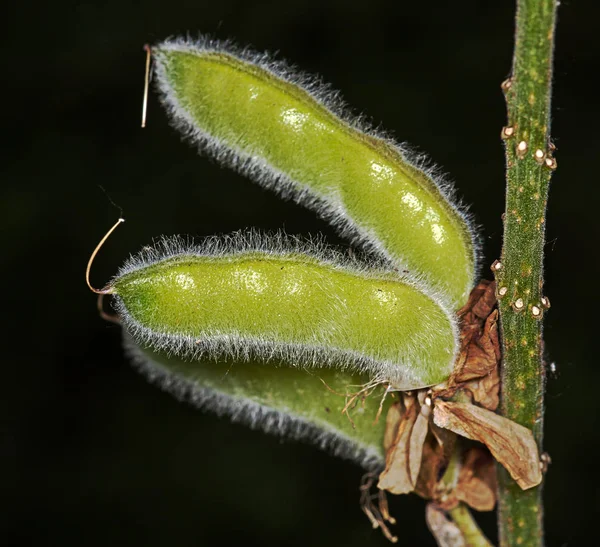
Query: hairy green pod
277,399
246,297
290,133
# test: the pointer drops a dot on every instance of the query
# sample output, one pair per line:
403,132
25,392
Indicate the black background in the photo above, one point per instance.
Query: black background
92,454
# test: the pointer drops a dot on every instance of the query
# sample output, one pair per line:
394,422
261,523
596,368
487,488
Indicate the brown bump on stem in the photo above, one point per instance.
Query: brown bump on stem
539,156
545,302
502,291
146,83
506,84
536,312
106,290
522,149
518,304
507,132
496,266
545,461
551,163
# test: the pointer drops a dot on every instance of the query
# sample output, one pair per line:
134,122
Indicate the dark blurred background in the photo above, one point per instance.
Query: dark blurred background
91,453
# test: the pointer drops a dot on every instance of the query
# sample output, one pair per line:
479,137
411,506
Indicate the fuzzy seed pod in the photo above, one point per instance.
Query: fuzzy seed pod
279,399
290,133
274,299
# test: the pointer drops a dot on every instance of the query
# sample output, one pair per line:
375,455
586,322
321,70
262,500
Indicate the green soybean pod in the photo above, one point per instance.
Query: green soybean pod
276,398
248,297
290,133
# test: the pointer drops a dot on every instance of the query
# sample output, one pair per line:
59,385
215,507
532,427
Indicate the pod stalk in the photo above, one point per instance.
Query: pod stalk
148,51
106,290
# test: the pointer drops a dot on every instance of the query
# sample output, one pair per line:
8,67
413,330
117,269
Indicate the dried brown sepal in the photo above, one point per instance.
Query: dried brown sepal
480,349
417,438
437,451
392,423
476,371
480,304
418,452
477,480
484,355
404,456
396,476
444,437
445,532
511,444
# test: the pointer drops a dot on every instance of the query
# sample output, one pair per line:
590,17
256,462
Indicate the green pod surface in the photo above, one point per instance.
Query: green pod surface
277,399
246,297
290,133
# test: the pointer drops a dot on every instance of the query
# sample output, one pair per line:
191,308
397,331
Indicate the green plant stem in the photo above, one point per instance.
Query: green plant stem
520,272
465,522
461,516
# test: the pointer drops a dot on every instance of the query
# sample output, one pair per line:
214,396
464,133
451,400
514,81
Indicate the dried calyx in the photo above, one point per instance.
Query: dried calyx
426,450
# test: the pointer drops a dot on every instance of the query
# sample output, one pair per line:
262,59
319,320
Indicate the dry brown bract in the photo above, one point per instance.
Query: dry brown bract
476,367
477,480
510,443
405,453
420,444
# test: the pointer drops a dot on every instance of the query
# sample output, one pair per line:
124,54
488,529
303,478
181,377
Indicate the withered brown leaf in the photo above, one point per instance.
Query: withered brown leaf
392,423
480,350
510,443
476,367
477,480
437,451
484,355
403,458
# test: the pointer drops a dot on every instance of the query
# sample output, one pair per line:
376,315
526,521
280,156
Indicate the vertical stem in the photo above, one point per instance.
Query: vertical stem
471,533
461,516
519,273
